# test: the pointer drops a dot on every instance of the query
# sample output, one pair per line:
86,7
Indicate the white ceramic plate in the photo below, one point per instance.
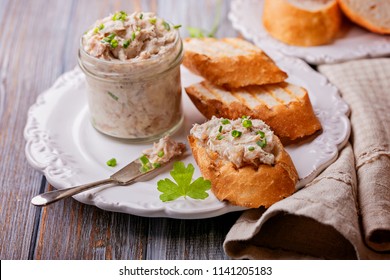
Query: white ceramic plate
63,145
245,16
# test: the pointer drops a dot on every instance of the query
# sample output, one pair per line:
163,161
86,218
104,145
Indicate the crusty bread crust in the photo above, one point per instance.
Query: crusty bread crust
290,122
361,19
295,26
247,186
236,71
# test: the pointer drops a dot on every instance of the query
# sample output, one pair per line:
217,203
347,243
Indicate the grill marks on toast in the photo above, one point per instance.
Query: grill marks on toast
253,96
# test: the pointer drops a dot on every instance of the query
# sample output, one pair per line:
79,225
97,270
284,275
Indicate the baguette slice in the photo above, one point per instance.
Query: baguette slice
372,15
302,22
230,62
285,107
247,186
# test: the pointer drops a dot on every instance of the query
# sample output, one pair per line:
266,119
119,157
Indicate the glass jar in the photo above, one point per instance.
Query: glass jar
139,100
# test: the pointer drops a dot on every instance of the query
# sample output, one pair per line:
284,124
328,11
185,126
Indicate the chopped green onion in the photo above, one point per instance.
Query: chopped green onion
160,153
177,26
225,121
247,123
251,148
144,168
262,143
138,28
113,95
219,137
244,117
236,133
153,20
120,16
111,162
126,44
133,36
141,16
109,38
220,129
166,25
96,30
144,160
114,43
101,26
156,165
261,133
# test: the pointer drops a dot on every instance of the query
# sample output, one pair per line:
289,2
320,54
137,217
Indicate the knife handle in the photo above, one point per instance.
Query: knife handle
47,198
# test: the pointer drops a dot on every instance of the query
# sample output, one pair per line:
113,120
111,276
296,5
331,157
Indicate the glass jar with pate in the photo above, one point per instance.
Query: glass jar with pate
132,66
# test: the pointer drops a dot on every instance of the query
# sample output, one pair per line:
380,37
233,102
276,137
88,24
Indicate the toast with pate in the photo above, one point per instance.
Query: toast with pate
245,162
285,107
230,62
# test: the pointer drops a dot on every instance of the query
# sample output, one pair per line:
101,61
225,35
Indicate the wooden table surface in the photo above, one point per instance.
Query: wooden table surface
39,42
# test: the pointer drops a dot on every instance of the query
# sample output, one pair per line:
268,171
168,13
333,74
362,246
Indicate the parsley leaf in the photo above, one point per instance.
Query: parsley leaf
183,186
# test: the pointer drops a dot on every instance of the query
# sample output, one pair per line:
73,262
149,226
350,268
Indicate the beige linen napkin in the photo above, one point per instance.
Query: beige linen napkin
345,212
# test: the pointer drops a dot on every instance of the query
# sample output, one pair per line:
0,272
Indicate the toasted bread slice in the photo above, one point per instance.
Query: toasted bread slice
247,186
372,15
285,107
302,22
230,62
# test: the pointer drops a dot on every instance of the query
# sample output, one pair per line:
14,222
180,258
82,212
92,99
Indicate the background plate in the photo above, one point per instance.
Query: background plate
63,145
245,16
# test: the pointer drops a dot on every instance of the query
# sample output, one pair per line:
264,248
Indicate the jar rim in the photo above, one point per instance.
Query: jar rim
124,62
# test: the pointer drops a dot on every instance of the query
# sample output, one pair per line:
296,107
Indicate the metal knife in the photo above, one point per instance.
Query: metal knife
126,176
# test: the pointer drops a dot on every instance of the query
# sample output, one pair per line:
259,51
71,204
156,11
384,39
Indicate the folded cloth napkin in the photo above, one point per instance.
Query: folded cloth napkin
345,212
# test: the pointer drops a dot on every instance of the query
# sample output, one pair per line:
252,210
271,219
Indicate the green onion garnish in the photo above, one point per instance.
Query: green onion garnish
101,26
144,168
111,162
219,137
141,16
236,133
177,26
251,148
156,165
114,43
220,129
160,153
225,121
126,44
261,133
152,20
113,96
244,117
247,123
120,16
109,38
262,143
144,160
96,30
133,36
166,25
138,28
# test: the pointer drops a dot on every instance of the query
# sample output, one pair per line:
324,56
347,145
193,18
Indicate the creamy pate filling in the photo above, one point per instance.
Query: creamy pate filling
138,36
242,141
164,150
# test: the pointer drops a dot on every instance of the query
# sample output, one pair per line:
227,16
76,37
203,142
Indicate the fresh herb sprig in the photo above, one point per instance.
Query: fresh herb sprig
184,185
195,32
